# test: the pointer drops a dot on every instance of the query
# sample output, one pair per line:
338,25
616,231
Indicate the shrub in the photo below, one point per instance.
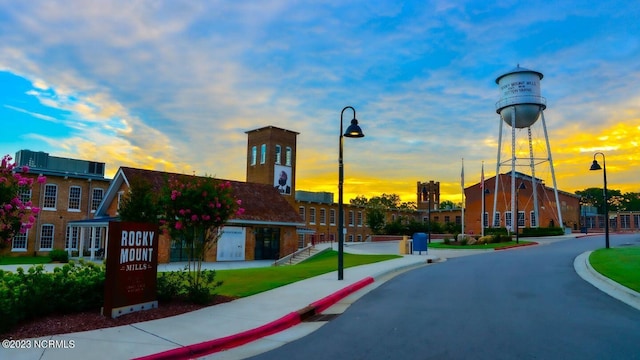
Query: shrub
446,241
183,285
58,255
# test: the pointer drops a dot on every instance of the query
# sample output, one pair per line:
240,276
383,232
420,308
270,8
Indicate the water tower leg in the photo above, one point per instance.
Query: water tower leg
553,173
533,181
513,168
495,190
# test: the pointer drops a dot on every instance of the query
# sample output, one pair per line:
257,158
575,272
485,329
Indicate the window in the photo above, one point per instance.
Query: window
75,192
25,196
459,220
301,212
636,221
332,216
625,221
96,198
359,238
19,241
507,219
359,219
532,219
496,219
300,241
73,234
323,216
312,215
254,155
350,217
120,195
46,237
485,220
350,237
332,237
520,218
447,219
322,239
50,196
288,156
278,154
263,153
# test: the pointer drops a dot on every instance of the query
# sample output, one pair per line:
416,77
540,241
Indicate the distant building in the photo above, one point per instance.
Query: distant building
73,191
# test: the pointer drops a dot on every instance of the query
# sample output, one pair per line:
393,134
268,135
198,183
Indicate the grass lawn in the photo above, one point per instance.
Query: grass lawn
247,282
19,260
440,245
621,265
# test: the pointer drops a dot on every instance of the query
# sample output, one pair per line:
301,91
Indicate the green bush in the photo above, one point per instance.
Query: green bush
58,255
185,286
542,231
34,293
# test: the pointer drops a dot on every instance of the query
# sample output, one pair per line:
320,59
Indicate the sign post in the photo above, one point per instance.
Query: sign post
132,268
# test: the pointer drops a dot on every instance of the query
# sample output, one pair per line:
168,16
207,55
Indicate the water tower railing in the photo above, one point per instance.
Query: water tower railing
521,99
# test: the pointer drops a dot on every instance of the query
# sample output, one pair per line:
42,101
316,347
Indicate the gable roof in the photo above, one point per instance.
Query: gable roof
263,204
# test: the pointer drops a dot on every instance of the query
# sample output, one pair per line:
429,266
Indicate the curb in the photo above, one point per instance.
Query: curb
283,323
617,291
515,246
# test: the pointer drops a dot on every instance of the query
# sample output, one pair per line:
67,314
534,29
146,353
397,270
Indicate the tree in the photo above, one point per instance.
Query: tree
631,201
16,215
140,204
193,211
595,197
448,204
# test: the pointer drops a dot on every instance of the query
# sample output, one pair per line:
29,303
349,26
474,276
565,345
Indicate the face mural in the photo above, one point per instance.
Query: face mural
282,179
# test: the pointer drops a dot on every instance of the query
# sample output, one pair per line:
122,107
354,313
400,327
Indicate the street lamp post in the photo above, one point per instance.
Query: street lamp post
596,166
352,131
521,186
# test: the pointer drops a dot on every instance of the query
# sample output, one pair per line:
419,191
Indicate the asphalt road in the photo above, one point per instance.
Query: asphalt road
525,303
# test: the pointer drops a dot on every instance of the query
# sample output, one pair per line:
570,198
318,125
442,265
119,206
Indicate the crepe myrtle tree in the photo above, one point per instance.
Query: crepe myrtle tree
16,215
193,211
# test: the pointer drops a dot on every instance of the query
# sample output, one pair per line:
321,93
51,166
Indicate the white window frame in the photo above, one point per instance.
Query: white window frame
323,216
351,218
359,219
278,154
18,240
312,215
74,200
50,196
263,153
332,217
496,219
532,219
507,220
288,155
254,155
48,236
302,213
95,201
73,237
521,219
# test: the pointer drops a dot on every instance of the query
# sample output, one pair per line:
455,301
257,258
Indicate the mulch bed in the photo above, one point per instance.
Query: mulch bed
92,320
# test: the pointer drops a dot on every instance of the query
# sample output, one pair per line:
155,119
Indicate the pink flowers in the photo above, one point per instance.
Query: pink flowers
192,202
16,216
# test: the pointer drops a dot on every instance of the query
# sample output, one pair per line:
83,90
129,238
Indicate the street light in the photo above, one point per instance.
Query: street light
352,131
596,166
520,187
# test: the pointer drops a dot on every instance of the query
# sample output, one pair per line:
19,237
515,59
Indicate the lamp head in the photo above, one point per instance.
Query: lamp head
354,130
595,165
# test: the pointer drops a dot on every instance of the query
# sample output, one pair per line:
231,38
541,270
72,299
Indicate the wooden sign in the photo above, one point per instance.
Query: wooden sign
132,268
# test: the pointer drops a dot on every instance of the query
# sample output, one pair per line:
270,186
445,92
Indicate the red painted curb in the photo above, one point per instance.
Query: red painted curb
515,246
326,302
231,341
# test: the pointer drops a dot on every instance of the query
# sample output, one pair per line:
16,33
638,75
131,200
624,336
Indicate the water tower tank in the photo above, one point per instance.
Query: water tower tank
520,93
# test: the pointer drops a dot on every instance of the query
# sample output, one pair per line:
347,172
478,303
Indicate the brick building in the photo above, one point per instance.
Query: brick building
73,191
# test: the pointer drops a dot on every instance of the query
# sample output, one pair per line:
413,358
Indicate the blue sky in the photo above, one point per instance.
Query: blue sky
174,85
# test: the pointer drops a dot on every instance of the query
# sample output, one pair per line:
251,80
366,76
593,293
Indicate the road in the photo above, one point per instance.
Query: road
525,303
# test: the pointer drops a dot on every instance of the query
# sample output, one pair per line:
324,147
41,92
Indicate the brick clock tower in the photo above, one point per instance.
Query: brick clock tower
271,159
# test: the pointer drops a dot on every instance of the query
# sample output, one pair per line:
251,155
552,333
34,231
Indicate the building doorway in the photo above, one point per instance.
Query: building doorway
267,243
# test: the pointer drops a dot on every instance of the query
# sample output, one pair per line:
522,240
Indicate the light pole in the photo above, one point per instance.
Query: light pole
352,131
521,186
596,166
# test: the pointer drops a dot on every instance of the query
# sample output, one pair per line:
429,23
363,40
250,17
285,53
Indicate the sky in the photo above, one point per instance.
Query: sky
174,85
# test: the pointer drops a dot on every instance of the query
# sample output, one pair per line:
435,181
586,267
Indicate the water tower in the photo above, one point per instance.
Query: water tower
520,106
